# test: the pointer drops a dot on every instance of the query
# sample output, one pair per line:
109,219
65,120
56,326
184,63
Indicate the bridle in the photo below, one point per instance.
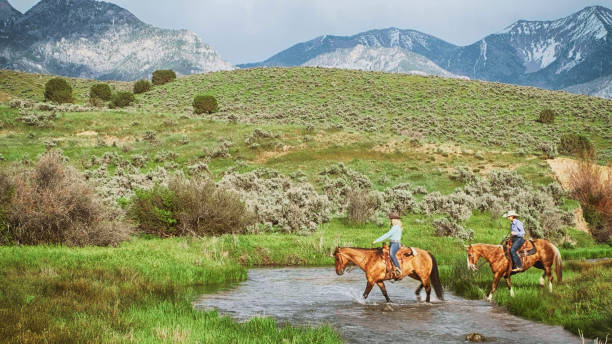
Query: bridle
351,268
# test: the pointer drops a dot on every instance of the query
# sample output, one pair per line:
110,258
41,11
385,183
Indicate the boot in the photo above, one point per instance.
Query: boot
398,274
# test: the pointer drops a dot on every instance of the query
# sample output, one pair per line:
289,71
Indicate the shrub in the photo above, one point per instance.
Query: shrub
58,90
204,209
546,117
447,228
142,86
163,76
279,201
360,206
579,145
189,207
204,103
122,99
52,204
100,91
7,189
548,149
155,210
592,187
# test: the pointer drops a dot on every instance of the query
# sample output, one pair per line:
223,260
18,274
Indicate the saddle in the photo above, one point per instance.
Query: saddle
402,253
528,249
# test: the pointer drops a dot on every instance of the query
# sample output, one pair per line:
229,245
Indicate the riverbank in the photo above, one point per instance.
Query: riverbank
142,291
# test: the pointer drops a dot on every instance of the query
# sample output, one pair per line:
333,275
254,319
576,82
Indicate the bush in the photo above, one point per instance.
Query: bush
579,145
592,187
361,206
189,207
163,76
142,86
7,189
446,228
122,99
204,209
203,103
100,91
52,204
58,90
547,117
155,210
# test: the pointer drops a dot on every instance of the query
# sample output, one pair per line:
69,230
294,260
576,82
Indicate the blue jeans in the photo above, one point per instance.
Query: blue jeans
517,242
395,246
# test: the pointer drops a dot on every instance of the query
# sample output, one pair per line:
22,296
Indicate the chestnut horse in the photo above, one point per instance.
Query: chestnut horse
416,263
547,254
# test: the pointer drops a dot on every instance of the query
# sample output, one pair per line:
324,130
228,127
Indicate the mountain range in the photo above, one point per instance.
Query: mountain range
100,40
557,54
95,39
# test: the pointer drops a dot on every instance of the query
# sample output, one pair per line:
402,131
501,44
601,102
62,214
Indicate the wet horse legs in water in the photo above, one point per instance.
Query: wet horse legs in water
382,287
427,286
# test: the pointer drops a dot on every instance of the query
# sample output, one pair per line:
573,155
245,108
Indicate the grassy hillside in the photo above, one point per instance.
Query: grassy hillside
390,128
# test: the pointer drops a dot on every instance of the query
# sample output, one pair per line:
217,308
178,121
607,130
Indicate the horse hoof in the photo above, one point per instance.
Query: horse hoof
490,297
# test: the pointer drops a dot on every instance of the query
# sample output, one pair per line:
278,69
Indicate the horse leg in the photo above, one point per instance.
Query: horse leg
382,287
428,290
494,285
417,292
542,280
367,290
548,272
509,285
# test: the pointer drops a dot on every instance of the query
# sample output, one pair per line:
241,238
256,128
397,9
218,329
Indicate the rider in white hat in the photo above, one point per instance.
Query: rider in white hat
518,232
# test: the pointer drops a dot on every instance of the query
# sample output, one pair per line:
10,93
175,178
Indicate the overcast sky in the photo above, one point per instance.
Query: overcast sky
253,30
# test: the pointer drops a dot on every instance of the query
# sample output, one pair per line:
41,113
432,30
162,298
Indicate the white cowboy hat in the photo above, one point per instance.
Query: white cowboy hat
510,213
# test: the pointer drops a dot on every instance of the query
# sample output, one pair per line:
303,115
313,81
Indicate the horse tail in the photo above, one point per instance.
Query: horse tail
558,264
435,278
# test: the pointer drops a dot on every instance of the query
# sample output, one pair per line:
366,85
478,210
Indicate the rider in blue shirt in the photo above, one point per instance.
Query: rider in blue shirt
518,233
395,236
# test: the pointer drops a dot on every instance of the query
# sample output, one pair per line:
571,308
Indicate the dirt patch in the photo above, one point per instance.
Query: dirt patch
87,133
563,167
5,97
581,224
264,156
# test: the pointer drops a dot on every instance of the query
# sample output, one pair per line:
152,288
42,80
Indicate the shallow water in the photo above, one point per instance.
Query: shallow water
314,296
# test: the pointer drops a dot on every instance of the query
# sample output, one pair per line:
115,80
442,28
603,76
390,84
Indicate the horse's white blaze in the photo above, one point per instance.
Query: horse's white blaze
511,292
542,281
550,286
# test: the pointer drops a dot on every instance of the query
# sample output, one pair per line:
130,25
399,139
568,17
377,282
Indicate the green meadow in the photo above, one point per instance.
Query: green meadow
391,128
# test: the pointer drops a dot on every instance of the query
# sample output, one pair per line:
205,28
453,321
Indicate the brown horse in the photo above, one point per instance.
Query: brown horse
416,263
547,254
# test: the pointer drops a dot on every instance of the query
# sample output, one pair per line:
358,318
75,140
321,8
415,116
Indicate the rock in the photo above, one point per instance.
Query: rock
475,337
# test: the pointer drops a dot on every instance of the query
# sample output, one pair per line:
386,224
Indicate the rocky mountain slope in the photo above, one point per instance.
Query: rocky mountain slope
394,60
95,39
549,54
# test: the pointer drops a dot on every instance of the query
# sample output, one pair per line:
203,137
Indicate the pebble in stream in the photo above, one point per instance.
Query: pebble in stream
315,296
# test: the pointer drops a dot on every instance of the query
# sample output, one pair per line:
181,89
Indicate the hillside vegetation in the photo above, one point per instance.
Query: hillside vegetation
303,149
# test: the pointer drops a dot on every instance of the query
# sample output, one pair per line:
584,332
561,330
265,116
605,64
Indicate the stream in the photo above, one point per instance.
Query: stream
315,296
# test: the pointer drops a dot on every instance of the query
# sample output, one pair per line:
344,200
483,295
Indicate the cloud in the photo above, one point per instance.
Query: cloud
252,30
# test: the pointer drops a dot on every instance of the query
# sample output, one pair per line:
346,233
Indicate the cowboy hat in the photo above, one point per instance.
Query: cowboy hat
394,216
510,213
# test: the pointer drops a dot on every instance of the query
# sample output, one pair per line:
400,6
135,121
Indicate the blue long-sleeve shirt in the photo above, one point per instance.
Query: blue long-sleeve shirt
516,228
394,234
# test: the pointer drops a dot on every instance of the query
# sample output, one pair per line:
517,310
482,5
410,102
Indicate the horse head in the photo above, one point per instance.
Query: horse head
341,261
472,257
